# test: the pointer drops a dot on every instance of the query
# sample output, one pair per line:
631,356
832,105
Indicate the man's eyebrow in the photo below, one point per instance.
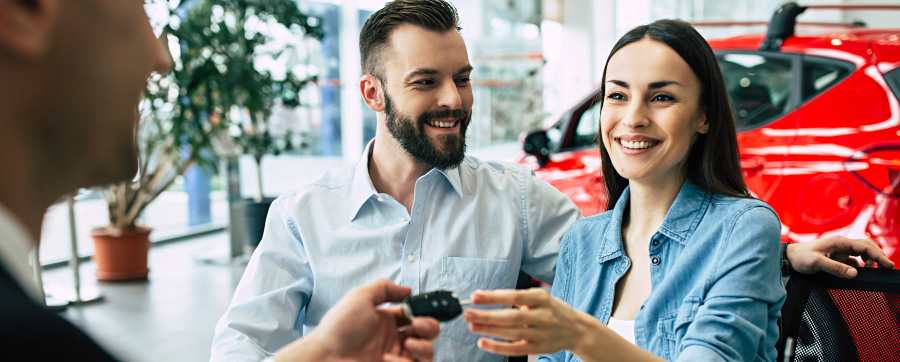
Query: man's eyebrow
420,72
466,69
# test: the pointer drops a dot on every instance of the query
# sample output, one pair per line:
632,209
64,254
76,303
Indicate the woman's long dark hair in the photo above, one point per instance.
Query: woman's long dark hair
712,162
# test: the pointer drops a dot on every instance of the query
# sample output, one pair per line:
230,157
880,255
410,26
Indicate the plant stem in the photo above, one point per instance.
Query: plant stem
259,180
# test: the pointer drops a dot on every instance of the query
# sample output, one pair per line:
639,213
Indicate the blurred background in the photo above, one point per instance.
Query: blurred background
218,159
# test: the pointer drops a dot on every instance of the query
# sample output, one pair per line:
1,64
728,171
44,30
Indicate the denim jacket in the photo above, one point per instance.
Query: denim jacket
716,292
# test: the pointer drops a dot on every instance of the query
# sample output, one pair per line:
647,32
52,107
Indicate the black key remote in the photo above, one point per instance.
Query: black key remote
440,304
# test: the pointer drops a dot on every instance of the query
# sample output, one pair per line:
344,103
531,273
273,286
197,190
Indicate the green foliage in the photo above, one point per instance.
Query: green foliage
219,42
215,87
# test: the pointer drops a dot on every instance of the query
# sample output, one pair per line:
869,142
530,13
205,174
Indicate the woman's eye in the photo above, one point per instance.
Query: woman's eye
662,98
616,96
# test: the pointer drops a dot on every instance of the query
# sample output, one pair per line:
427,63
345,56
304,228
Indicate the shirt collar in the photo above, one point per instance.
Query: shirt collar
686,212
17,253
362,189
682,218
613,247
452,175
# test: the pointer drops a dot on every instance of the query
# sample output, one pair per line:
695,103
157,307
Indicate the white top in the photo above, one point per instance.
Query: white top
622,328
17,253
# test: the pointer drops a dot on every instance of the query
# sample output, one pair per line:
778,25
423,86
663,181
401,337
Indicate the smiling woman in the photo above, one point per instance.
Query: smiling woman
685,265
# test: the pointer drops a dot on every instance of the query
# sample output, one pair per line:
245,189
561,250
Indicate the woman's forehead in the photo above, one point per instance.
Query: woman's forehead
649,61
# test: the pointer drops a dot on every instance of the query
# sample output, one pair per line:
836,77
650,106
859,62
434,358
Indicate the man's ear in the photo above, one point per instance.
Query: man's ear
26,26
372,92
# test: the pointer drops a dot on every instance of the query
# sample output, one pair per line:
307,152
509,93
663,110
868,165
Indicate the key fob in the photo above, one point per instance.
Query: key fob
440,304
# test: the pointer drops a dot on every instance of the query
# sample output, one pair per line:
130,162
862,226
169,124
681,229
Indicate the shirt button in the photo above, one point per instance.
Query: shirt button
655,260
411,258
380,198
654,242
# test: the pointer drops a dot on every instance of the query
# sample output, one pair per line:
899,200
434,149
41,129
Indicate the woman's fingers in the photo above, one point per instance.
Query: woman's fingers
508,317
517,348
507,333
529,297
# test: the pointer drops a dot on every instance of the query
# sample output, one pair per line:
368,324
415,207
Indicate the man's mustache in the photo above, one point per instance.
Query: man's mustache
457,114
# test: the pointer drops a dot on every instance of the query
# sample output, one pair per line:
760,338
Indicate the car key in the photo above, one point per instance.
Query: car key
439,304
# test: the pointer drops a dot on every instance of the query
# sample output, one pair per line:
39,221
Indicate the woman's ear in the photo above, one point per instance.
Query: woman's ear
703,126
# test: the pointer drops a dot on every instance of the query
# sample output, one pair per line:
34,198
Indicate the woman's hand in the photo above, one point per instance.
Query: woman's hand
538,323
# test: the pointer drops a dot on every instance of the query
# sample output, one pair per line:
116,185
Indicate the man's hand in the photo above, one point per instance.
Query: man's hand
356,329
835,255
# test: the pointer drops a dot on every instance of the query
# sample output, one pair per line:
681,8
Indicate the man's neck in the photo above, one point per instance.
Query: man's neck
26,191
393,170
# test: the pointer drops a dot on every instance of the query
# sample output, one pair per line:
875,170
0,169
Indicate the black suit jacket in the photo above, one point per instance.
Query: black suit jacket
29,332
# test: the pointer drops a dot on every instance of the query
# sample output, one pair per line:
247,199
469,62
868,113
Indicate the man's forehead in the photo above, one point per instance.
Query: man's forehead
413,48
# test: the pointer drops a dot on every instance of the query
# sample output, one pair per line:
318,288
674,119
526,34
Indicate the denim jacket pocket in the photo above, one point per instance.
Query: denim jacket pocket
463,276
673,327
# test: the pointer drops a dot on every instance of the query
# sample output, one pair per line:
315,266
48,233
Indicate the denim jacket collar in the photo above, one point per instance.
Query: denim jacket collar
683,217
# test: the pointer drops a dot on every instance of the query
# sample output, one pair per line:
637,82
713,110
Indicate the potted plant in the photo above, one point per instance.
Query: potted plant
257,138
215,46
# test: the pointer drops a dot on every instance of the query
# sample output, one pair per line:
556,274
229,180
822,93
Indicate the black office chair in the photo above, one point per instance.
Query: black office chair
826,318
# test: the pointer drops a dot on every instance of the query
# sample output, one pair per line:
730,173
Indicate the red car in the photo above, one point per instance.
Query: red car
818,130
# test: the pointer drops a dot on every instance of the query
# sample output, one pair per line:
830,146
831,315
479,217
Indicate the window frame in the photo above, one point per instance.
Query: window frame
823,60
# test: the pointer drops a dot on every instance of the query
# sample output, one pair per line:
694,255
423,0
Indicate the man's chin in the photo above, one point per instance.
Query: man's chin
123,169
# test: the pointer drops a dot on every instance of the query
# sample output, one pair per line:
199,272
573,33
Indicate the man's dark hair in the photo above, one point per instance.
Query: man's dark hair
434,15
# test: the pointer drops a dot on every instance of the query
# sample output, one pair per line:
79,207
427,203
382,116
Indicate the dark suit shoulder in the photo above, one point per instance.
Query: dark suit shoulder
29,332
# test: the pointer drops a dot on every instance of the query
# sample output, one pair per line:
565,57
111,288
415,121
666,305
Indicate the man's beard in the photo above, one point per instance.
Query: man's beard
412,137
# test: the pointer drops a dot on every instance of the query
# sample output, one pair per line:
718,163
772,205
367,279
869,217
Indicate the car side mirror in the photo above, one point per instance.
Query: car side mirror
537,144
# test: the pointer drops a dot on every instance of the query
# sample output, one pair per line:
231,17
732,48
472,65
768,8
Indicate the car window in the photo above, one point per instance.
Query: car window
760,86
893,80
588,126
820,74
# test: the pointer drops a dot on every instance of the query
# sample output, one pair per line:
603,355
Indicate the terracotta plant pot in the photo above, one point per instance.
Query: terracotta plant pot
122,256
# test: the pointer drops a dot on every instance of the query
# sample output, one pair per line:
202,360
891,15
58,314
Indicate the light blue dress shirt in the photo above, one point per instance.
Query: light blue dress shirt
471,227
715,277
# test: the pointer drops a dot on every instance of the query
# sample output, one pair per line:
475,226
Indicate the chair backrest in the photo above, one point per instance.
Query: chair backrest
826,318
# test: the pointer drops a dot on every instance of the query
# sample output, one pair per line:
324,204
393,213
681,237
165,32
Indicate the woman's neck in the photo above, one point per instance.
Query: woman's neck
650,202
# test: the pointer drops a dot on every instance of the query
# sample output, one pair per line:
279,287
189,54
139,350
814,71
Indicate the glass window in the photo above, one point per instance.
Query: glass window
893,80
588,126
760,86
820,74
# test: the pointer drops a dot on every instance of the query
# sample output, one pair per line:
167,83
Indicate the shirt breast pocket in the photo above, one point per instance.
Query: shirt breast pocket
463,276
672,329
